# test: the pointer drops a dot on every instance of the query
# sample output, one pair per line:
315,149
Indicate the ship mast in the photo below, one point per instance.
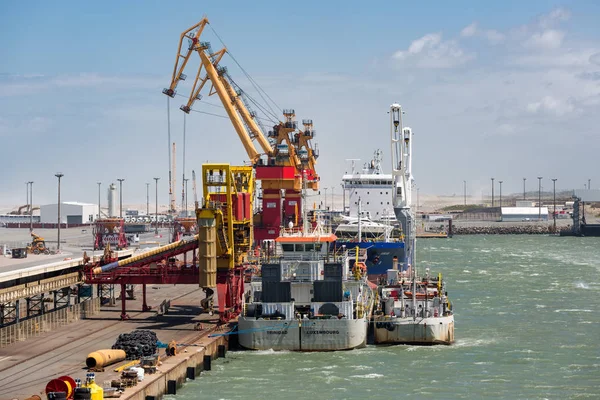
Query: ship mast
401,146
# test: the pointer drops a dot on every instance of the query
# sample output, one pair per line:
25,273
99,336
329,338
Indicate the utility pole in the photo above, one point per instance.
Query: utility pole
58,175
121,197
540,198
31,206
554,201
589,184
524,179
99,184
147,199
465,191
500,182
156,209
492,192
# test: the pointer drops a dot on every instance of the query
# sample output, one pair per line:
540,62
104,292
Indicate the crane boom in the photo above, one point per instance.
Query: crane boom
401,142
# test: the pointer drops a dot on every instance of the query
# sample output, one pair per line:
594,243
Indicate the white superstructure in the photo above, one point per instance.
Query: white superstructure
373,188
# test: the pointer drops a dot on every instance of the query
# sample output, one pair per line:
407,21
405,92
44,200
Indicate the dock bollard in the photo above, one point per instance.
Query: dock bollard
221,351
207,362
171,387
191,373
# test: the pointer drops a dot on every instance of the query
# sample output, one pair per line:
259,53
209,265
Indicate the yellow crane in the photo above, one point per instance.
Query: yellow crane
289,161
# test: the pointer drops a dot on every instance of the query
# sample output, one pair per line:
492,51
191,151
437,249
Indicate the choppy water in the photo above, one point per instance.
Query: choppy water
527,327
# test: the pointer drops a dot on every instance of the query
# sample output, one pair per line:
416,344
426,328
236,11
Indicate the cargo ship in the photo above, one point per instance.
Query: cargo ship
306,297
369,221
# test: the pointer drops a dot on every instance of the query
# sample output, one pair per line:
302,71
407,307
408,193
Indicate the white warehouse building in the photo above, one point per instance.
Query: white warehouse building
512,214
71,212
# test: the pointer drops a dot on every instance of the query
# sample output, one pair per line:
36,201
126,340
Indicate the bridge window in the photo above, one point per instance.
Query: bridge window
287,247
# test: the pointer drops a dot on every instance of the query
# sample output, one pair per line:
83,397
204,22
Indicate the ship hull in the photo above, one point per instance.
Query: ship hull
303,335
422,331
380,255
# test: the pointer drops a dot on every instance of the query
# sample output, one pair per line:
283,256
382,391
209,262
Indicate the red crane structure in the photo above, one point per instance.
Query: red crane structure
288,157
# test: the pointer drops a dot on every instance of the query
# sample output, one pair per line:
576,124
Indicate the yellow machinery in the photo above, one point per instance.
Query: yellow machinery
38,245
225,233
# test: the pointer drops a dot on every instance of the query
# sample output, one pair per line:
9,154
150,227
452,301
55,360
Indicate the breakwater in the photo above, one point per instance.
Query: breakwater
502,230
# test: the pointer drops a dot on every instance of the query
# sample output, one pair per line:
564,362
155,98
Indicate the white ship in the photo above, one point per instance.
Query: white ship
415,311
412,310
306,298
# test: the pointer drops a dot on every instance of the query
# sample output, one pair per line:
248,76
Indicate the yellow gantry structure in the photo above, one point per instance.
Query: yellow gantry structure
225,233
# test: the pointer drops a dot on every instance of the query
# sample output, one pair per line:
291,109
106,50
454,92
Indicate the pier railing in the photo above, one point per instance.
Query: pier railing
36,326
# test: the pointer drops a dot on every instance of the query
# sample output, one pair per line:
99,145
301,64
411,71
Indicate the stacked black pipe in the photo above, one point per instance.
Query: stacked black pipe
137,344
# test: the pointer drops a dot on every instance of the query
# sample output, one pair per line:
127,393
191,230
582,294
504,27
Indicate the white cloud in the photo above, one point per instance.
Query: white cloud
553,17
595,58
494,36
469,30
551,105
430,51
548,39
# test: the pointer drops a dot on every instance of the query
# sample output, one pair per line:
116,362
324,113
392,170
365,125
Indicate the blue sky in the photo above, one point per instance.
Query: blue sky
491,89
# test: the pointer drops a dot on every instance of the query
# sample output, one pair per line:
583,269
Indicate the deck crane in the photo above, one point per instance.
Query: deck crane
279,167
401,143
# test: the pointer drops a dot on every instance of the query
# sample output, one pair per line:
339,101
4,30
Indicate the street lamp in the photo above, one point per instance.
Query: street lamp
554,201
156,210
99,184
500,182
524,179
185,181
31,206
332,190
343,198
492,192
121,197
147,199
58,175
465,191
540,198
589,184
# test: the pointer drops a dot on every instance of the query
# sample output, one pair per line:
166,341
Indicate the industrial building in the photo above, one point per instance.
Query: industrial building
71,212
512,214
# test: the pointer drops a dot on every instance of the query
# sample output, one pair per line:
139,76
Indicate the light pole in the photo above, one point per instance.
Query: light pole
31,206
540,198
332,190
156,209
589,184
58,175
492,192
554,202
500,182
465,191
99,184
185,181
121,197
524,179
325,205
147,199
343,198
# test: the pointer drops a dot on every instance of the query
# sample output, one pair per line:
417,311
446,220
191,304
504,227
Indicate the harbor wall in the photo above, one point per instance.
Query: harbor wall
156,385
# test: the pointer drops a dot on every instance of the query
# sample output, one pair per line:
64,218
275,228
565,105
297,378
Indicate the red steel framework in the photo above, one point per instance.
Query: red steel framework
110,231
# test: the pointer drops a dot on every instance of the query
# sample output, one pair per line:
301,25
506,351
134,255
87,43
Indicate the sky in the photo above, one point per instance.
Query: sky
508,90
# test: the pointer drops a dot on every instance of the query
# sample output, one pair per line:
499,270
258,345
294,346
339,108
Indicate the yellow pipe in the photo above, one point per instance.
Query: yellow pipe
102,358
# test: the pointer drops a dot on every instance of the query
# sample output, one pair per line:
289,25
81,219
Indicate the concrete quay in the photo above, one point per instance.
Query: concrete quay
26,367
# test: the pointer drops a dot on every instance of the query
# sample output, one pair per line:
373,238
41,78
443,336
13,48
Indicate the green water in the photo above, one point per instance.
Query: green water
527,327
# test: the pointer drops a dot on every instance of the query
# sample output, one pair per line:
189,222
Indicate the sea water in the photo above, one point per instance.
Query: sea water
527,326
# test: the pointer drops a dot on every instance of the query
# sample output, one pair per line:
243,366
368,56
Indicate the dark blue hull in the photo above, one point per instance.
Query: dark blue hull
380,255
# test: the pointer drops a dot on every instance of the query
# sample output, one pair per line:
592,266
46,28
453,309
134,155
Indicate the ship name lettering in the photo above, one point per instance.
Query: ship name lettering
322,332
